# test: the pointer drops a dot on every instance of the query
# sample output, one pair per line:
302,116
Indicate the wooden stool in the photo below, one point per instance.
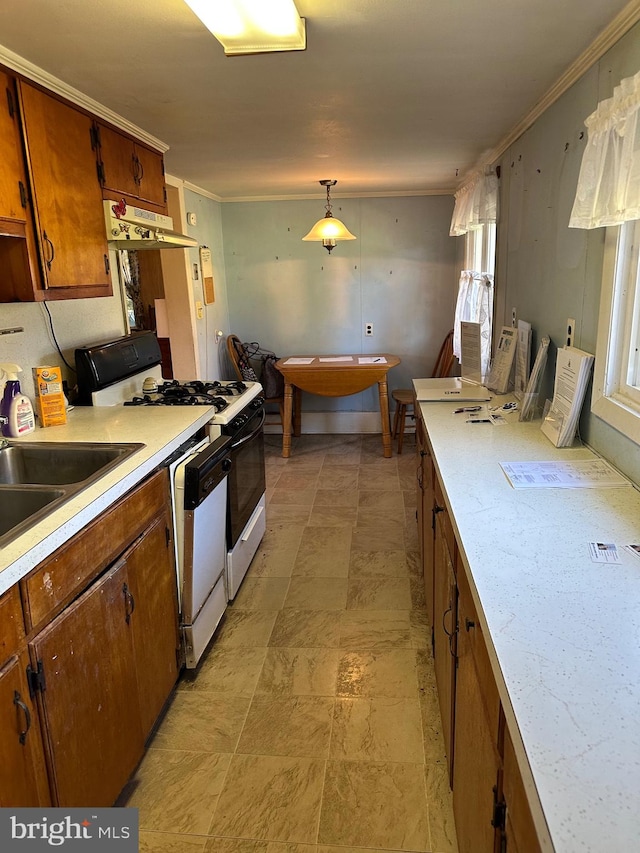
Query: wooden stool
403,398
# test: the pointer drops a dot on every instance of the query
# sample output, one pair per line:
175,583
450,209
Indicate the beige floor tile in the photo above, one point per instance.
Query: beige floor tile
333,516
410,500
379,594
202,722
377,730
324,848
281,536
324,552
340,476
245,629
298,480
440,809
261,593
382,537
283,495
414,564
375,804
273,564
382,503
299,672
289,514
375,629
177,791
293,725
371,564
386,674
336,498
372,478
307,629
417,592
316,593
267,797
420,630
162,842
226,670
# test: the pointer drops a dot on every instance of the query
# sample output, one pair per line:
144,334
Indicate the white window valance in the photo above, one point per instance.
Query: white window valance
608,190
476,204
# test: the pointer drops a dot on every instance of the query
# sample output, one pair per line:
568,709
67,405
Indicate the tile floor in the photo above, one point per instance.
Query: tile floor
312,724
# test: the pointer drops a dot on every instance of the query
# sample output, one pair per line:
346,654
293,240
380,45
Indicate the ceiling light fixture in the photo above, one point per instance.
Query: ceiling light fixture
329,230
252,26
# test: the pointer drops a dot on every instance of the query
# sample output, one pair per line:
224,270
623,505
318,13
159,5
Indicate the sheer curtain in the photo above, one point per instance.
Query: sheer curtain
475,305
476,204
608,190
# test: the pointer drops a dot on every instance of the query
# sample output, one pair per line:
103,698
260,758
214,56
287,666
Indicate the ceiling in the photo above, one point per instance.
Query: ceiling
391,96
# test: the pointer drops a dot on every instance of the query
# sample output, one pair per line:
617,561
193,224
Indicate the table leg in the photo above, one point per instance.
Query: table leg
286,426
384,417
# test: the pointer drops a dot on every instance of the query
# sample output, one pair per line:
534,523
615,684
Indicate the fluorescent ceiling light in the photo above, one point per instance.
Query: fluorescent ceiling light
252,26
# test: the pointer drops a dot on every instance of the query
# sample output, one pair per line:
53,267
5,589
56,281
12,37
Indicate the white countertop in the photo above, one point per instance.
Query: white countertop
563,632
161,434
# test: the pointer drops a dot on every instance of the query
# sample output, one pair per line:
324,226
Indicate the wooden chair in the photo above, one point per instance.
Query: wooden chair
239,357
404,397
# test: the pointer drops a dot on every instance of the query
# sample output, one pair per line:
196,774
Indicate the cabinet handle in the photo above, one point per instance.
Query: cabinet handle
469,623
140,170
129,603
436,509
444,616
52,254
17,700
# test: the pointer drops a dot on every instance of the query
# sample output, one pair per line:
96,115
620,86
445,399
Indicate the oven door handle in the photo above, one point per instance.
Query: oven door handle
252,435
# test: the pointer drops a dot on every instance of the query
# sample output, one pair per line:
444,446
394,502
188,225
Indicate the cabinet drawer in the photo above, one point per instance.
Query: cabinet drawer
11,624
54,583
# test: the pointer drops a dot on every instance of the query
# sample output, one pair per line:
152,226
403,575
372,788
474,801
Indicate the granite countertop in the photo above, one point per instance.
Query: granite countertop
161,434
563,632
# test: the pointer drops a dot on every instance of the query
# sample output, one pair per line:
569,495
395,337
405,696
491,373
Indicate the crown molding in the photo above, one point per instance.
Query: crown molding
31,72
619,26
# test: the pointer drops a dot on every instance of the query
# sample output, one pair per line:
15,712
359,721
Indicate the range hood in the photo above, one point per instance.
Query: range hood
132,227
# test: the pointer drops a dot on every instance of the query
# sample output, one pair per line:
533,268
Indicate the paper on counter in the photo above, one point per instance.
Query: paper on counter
298,361
603,552
580,474
372,359
336,358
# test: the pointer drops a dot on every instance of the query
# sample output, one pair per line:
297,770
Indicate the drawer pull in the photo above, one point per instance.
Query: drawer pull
17,700
129,603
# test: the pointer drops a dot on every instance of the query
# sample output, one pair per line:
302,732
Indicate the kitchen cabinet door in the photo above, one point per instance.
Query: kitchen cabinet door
23,774
151,569
90,707
519,834
477,715
13,197
67,199
444,637
130,168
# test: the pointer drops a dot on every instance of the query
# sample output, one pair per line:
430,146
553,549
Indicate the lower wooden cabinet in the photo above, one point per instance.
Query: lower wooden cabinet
23,775
490,803
477,720
90,701
101,665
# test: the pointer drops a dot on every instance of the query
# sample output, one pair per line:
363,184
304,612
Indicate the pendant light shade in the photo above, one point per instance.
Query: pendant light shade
329,230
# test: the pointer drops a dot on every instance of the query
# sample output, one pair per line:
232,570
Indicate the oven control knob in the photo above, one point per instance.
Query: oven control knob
226,465
241,420
257,403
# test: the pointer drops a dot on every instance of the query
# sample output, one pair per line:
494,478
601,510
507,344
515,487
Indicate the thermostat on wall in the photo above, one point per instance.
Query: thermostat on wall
192,219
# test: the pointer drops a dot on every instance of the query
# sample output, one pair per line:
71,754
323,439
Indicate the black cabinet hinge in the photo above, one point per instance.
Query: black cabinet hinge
100,173
167,534
23,194
107,265
94,133
36,679
499,811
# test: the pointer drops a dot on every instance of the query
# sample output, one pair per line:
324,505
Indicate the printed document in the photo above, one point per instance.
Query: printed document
372,359
579,474
298,361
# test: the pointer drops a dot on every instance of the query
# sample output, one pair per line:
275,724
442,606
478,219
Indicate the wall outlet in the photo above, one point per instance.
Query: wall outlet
514,317
571,329
368,329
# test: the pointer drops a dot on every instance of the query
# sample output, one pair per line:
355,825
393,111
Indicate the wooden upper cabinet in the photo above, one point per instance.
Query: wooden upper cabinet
13,182
67,199
129,168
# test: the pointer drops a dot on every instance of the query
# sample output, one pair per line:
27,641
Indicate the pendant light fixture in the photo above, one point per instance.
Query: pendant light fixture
329,230
252,26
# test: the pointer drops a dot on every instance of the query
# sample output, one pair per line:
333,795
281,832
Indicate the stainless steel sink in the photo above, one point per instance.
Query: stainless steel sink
36,477
55,464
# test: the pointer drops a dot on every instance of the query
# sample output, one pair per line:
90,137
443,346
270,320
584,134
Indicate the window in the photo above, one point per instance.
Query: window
616,386
480,249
